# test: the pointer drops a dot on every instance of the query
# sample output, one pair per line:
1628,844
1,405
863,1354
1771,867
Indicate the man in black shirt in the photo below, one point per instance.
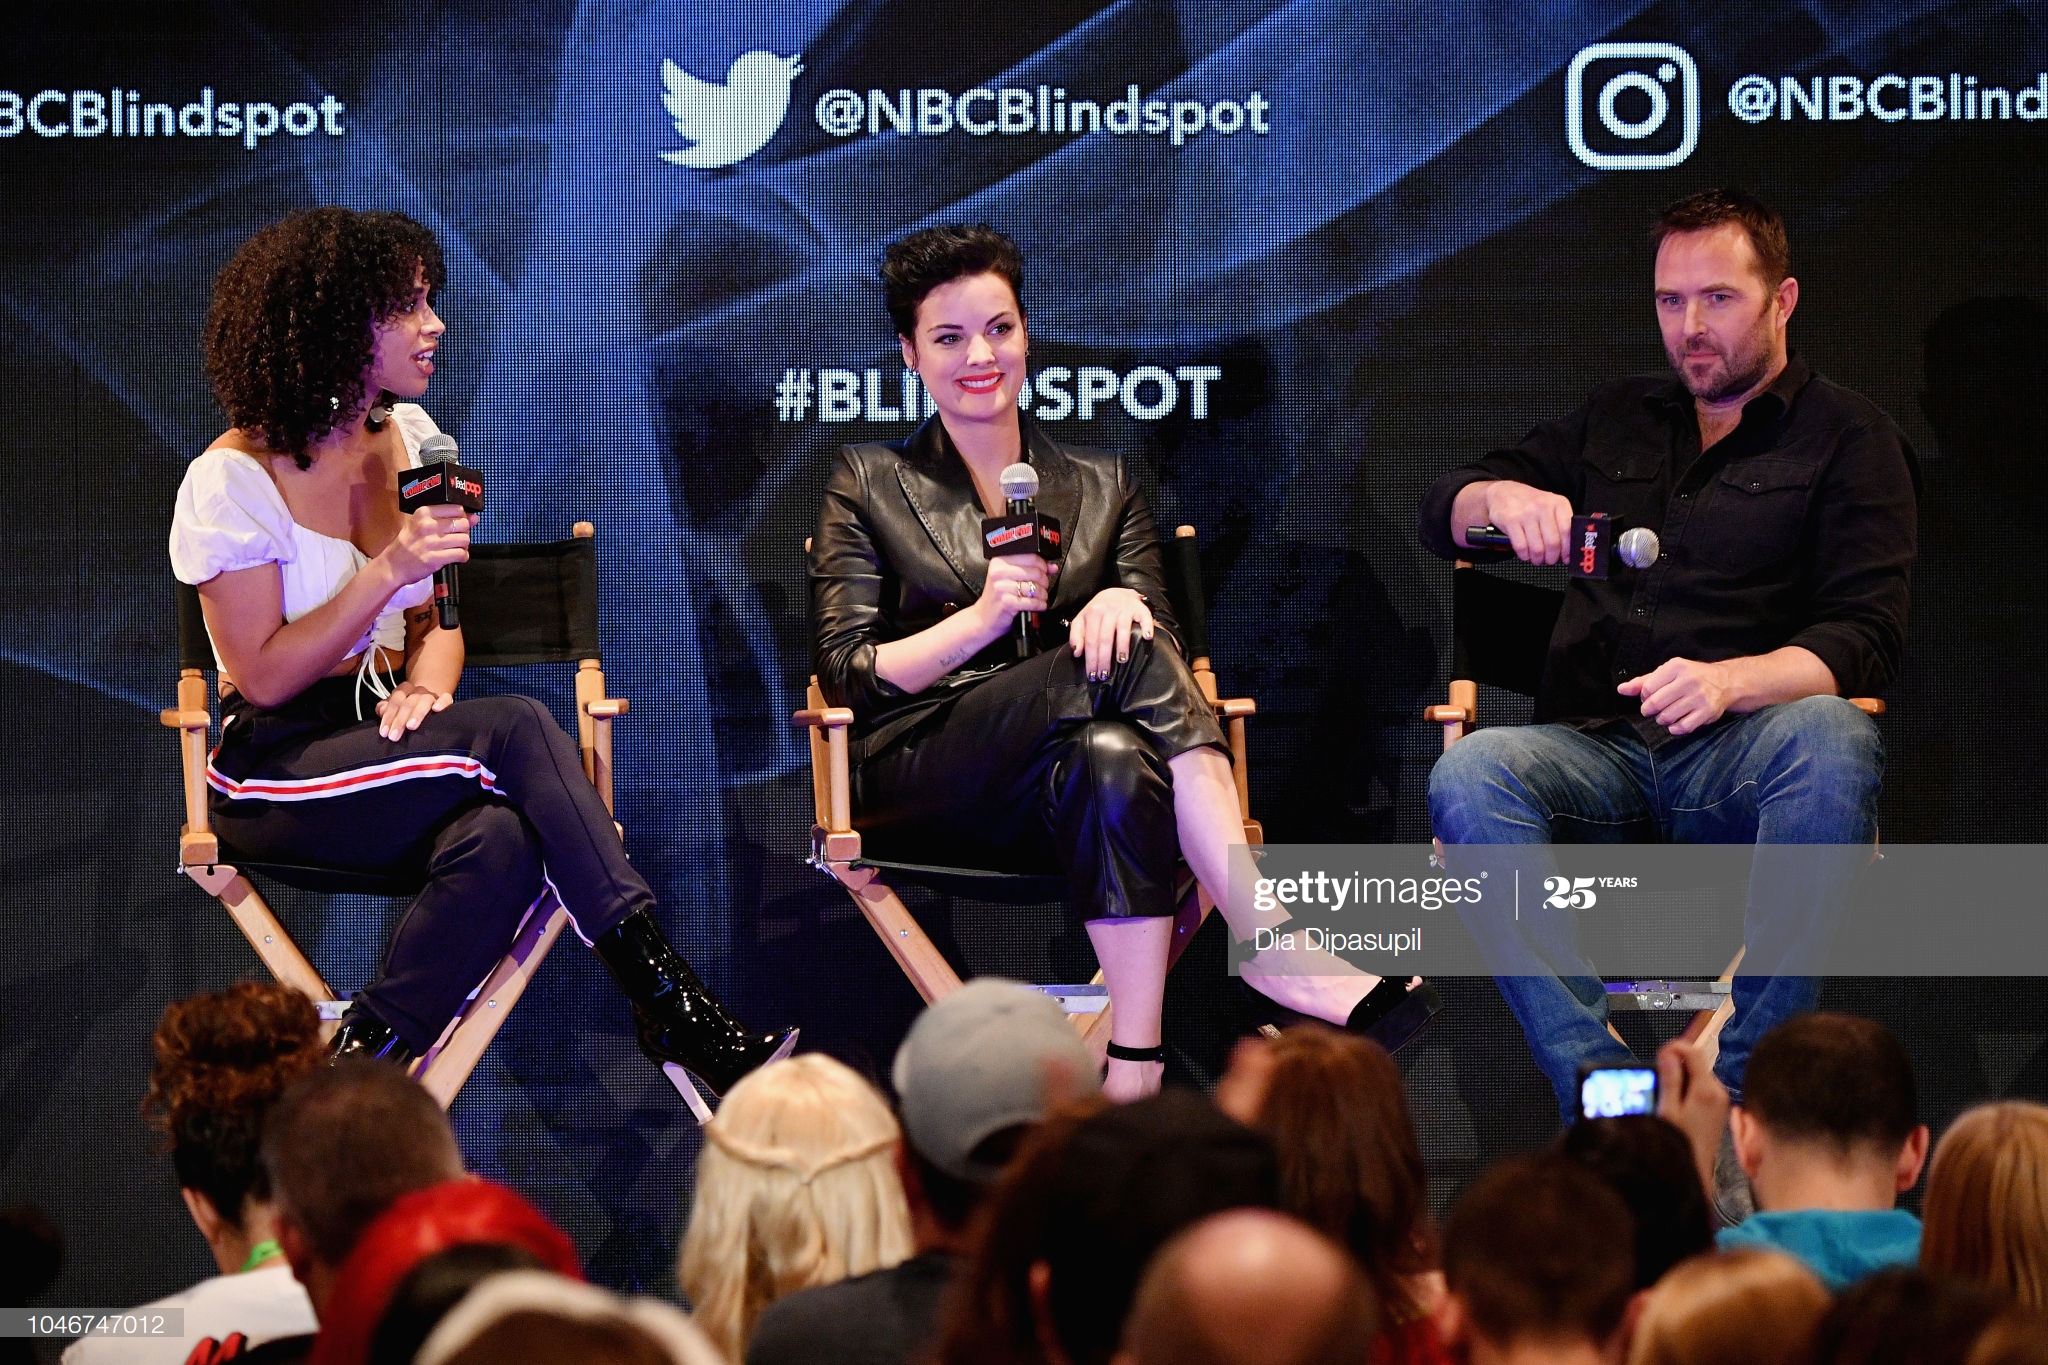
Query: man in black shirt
1699,700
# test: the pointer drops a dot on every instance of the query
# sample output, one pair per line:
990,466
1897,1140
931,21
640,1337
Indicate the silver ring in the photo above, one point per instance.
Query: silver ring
1028,589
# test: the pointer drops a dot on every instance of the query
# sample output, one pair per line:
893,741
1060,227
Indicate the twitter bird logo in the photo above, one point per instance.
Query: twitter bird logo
728,123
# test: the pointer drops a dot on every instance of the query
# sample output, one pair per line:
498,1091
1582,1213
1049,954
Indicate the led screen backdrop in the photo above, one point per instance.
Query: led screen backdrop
1293,258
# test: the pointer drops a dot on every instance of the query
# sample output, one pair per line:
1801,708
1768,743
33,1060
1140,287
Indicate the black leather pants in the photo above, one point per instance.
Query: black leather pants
1036,768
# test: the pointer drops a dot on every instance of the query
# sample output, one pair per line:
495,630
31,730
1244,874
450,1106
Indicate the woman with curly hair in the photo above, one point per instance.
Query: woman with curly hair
796,1187
316,592
220,1062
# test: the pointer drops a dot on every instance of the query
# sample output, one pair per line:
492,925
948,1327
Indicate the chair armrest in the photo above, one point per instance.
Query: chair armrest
1869,706
185,720
1235,708
607,708
824,717
1445,715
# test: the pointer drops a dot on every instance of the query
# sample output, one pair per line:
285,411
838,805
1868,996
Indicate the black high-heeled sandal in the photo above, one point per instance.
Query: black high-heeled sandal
1393,1015
679,1024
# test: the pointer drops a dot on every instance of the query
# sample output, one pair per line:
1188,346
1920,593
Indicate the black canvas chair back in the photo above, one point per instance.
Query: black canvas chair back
521,604
1500,629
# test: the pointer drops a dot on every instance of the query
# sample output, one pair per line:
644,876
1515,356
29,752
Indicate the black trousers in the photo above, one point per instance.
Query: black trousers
1036,767
486,801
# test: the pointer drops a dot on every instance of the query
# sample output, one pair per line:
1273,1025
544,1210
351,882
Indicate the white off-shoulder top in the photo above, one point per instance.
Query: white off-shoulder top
230,515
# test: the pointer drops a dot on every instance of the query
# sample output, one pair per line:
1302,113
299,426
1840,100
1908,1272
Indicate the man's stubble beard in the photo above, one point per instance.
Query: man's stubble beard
1731,382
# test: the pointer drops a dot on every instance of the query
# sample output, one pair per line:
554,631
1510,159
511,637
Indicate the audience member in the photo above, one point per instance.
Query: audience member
357,1322
528,1317
1829,1137
1987,1201
340,1146
975,1072
435,1286
2019,1336
1907,1317
31,1256
1692,1099
1649,1163
796,1187
221,1062
1751,1306
1539,1265
1337,1113
1088,1199
1251,1287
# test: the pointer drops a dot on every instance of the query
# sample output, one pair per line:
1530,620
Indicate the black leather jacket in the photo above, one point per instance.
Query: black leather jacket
899,548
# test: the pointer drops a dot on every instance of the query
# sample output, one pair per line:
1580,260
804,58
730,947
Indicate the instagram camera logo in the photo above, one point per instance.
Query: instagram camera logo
1629,88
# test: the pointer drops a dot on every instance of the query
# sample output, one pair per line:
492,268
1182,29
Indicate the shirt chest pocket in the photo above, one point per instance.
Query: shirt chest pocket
1622,483
1754,513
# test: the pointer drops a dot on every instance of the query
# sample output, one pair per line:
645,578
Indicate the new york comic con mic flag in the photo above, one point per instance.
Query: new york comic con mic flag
1641,910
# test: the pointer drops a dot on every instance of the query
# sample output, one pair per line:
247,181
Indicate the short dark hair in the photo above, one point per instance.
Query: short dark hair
221,1060
1712,208
346,1141
1539,1246
952,1199
913,266
1832,1076
291,329
1903,1315
432,1289
1648,1162
1094,1191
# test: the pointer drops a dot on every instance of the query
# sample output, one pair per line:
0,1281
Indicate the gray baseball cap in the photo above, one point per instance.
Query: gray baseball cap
976,1063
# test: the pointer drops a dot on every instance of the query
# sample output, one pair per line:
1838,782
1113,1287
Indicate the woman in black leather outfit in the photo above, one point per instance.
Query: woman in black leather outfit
1098,751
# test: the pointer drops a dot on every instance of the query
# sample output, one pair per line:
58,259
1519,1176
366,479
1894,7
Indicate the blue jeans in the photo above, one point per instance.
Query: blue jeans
1804,772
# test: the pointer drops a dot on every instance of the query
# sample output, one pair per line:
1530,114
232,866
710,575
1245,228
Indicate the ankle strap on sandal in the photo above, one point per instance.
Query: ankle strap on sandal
1137,1054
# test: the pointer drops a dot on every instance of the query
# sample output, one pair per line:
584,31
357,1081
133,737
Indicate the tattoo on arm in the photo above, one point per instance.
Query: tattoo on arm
421,616
955,658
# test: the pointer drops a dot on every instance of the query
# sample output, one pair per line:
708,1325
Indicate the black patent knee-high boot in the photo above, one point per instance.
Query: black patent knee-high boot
363,1034
678,1019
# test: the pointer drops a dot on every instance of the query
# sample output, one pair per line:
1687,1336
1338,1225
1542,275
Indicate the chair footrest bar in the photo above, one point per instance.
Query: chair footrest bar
1666,995
1082,999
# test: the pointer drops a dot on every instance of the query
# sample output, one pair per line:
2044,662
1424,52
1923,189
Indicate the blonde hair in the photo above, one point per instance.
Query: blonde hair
1751,1305
796,1187
1986,1215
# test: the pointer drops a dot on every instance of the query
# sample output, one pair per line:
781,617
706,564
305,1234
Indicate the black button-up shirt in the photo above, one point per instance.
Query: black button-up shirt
1797,528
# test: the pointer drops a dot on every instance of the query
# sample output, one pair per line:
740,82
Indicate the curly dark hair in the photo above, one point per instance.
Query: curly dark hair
913,266
220,1061
292,326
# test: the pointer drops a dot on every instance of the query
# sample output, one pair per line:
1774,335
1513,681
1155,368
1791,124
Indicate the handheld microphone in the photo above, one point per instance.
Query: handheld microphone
1592,538
1020,531
440,480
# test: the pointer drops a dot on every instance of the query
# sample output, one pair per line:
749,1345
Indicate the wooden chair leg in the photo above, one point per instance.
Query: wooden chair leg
254,917
448,1063
899,931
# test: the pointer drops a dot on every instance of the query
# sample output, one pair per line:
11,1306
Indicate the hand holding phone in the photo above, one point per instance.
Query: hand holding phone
1609,1091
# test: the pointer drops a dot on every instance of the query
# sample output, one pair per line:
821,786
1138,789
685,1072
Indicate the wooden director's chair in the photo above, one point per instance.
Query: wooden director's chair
522,604
1500,636
836,849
